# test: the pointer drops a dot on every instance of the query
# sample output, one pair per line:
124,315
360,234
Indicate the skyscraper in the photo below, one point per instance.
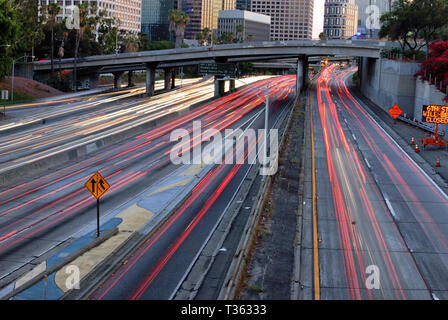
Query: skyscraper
341,19
242,4
204,14
369,13
128,12
155,21
290,19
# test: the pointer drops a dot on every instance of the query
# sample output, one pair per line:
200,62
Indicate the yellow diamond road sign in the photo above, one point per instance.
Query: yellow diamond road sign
97,185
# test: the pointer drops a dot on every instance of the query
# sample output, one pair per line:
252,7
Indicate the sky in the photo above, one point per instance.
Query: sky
318,18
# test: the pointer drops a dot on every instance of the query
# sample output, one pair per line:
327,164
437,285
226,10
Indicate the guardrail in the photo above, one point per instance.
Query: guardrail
423,125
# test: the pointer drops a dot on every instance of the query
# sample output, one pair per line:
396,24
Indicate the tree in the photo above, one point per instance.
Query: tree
178,22
143,41
31,30
49,12
87,23
9,33
109,35
323,36
435,67
414,23
239,32
227,37
160,45
204,37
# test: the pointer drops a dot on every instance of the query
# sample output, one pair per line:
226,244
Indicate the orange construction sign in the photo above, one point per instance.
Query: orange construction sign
97,185
395,111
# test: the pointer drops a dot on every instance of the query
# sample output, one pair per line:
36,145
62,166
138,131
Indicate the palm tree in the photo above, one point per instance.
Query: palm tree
206,33
52,10
85,22
178,21
239,32
323,36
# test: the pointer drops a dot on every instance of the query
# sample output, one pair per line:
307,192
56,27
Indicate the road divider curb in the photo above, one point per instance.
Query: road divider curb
56,267
82,149
240,261
119,254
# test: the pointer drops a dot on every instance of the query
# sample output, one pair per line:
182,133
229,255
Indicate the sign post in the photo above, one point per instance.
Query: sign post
395,111
435,114
217,69
97,186
4,97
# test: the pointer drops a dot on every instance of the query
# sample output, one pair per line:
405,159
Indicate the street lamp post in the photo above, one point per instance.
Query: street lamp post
266,114
13,70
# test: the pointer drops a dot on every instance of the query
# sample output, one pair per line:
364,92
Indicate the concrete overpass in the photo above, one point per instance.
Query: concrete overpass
231,53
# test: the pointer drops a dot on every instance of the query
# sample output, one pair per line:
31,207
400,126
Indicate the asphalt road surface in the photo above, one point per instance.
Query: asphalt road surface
382,223
39,214
157,267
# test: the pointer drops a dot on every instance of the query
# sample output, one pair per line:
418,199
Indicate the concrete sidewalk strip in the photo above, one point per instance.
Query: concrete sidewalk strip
141,217
25,286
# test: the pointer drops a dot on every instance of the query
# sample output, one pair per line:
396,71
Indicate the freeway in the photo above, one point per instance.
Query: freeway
46,211
157,267
382,223
73,122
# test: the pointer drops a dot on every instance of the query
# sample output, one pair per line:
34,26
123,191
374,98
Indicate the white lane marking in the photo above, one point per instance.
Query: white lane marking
391,209
406,154
368,164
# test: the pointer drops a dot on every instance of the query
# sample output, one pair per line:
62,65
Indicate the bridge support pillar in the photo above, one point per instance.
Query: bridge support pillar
150,80
219,86
299,79
306,79
94,79
167,78
117,80
302,74
173,78
130,84
232,85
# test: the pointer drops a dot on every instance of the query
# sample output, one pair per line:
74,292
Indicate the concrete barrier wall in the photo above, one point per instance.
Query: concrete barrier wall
426,93
388,82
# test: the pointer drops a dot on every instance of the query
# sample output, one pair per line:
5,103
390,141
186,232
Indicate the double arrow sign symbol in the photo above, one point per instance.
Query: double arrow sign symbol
97,185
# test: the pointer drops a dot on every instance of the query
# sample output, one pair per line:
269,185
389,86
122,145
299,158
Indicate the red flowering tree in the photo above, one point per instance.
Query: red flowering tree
435,67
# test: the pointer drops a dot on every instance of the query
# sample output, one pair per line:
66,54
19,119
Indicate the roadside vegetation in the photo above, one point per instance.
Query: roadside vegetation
421,29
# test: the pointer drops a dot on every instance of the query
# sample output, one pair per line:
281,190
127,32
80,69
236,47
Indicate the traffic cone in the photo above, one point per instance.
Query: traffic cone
438,162
416,148
412,141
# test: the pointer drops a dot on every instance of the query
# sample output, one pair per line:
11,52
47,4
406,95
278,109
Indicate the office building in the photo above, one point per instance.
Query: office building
290,19
155,18
341,19
128,12
369,13
242,4
254,24
204,14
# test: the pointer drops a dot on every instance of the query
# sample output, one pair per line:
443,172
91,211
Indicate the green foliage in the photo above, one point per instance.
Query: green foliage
323,36
414,23
9,33
62,84
227,37
246,68
160,45
31,32
178,22
204,37
410,55
355,77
